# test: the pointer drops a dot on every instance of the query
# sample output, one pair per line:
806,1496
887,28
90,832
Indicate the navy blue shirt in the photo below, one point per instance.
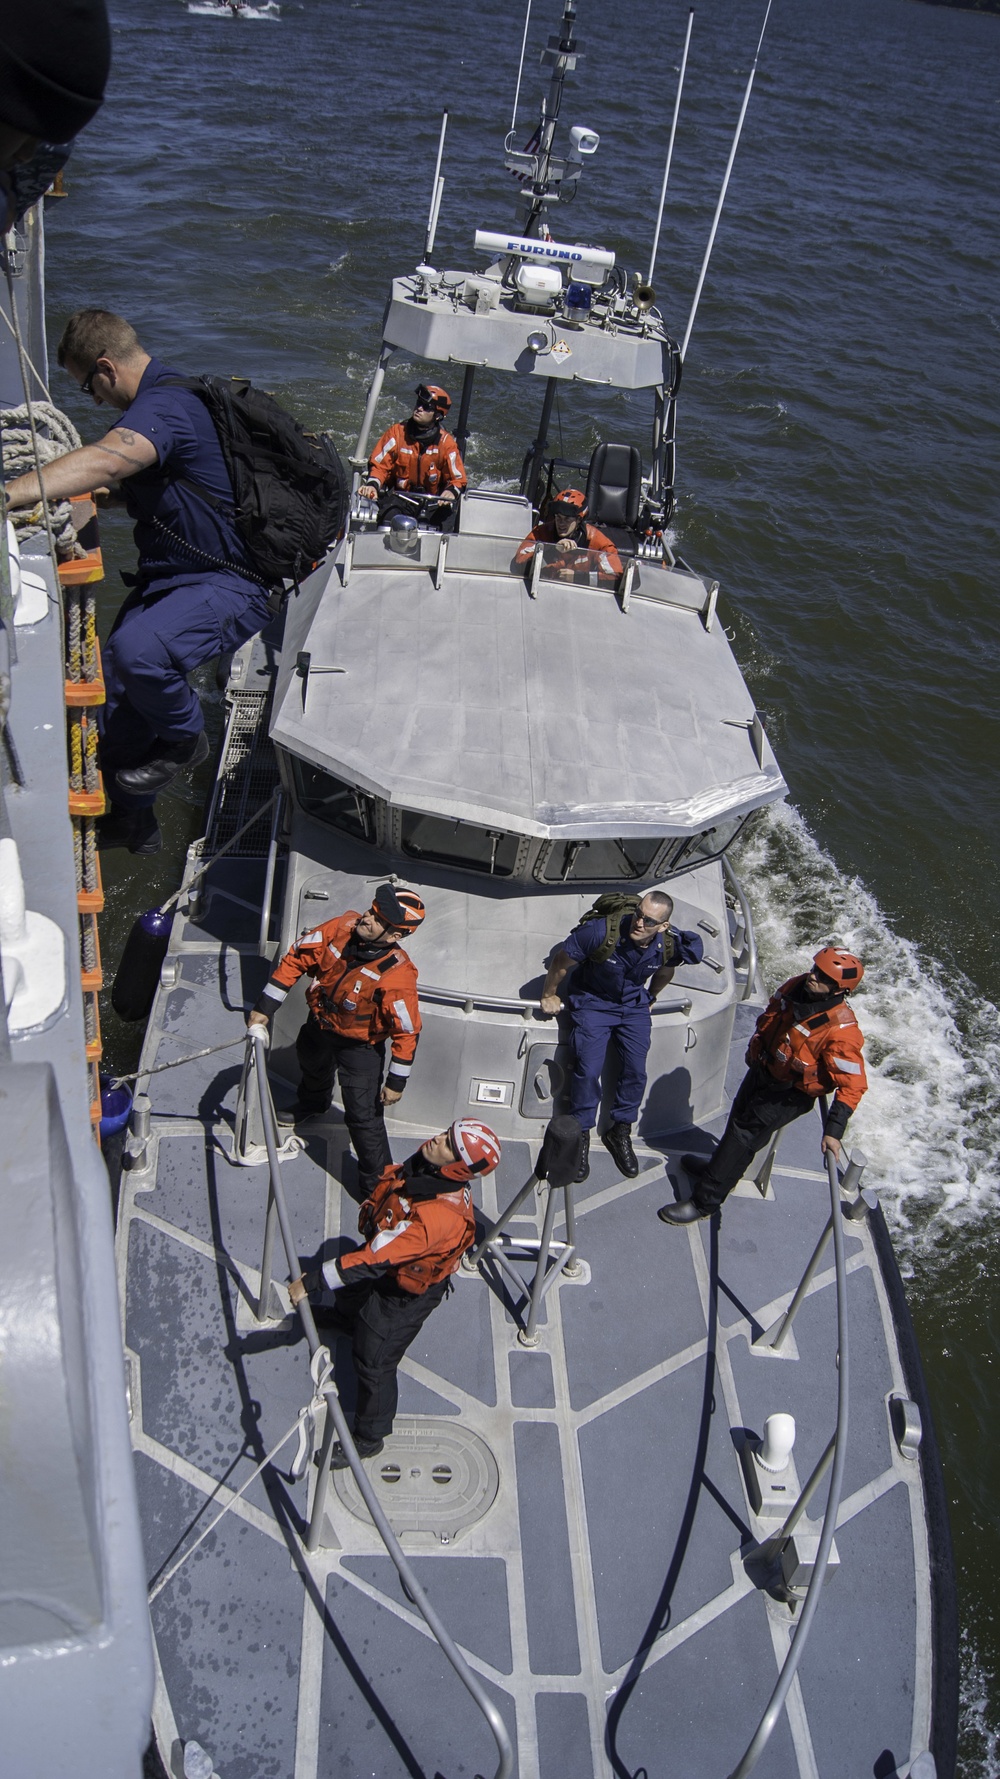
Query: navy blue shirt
622,979
180,426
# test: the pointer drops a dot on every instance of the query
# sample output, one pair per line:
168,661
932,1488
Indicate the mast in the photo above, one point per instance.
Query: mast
542,174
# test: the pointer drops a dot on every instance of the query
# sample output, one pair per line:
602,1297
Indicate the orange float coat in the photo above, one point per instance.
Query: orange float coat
546,533
418,466
356,998
818,1054
421,1239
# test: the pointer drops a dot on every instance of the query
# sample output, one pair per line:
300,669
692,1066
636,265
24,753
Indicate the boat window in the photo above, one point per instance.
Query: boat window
599,861
446,842
578,566
701,847
330,800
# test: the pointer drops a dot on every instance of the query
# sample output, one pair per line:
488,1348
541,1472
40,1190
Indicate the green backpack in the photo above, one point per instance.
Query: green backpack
610,909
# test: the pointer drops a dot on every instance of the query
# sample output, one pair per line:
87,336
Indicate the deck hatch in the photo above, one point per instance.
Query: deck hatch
433,1479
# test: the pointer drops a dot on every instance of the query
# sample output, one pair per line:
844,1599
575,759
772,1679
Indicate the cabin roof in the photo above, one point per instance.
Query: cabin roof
557,716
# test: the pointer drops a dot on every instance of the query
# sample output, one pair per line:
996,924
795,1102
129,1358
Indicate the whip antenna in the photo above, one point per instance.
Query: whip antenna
725,186
670,148
520,66
436,189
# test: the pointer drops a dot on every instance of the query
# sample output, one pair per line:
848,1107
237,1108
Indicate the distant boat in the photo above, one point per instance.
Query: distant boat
235,9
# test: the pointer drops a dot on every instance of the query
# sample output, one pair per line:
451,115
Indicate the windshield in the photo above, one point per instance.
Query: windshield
570,562
599,861
332,801
459,843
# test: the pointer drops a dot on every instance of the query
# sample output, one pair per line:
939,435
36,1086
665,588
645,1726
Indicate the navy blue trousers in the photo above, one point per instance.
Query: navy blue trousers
156,640
594,1024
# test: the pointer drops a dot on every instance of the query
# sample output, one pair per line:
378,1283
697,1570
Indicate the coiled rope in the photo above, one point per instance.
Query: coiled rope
60,436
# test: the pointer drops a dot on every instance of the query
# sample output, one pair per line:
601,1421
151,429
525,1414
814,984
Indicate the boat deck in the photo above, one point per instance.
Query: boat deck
576,1512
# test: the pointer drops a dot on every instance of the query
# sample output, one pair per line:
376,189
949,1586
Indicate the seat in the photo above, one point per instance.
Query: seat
614,489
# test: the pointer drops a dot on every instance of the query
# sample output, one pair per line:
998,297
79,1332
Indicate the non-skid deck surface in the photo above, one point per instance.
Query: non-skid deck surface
602,1597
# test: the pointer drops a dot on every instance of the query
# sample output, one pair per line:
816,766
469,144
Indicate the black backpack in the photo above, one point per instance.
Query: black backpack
610,908
290,486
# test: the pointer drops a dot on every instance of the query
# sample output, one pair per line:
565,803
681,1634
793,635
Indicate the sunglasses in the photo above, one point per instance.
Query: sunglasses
87,386
649,920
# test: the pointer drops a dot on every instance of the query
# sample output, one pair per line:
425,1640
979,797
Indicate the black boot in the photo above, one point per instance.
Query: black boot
583,1171
617,1140
136,829
366,1448
687,1211
170,758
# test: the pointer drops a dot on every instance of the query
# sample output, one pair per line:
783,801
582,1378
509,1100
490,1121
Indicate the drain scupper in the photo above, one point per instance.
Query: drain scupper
434,1479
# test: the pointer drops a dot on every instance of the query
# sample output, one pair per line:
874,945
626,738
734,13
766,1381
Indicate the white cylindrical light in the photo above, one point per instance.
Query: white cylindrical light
776,1446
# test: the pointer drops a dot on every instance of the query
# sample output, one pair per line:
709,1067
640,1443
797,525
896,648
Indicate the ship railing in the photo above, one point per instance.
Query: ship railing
527,1008
336,1423
764,1562
746,958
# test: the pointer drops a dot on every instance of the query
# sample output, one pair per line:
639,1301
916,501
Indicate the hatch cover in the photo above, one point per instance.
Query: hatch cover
433,1478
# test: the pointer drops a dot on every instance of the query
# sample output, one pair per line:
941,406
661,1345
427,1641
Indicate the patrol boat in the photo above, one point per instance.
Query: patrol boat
657,1501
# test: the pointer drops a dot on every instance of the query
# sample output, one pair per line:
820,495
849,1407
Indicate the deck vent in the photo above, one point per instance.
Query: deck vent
434,1480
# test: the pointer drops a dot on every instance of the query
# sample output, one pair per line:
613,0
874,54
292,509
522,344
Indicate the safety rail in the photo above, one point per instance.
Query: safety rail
750,937
336,1424
836,1450
453,997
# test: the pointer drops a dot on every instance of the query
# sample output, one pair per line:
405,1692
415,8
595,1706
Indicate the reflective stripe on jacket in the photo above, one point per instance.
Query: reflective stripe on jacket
396,463
367,1000
609,561
818,1055
422,1240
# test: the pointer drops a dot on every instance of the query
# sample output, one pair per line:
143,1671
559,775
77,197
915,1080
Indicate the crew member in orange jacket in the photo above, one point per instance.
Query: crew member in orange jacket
417,456
417,1224
363,993
574,542
807,1042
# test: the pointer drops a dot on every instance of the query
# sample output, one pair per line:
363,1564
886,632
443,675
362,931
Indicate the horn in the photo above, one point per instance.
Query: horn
643,296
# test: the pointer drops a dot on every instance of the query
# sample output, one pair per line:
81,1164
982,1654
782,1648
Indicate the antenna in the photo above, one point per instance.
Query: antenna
670,148
520,67
436,189
725,187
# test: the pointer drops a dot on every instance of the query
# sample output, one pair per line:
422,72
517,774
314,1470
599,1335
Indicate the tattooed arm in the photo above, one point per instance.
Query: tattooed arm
120,453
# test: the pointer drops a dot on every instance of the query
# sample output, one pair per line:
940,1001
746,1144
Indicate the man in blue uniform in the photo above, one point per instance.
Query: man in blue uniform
195,595
610,1001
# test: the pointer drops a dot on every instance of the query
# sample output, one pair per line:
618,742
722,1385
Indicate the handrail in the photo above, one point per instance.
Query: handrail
454,997
257,1041
751,938
838,1447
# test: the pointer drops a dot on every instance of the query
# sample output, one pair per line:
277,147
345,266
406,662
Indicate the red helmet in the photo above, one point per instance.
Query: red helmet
571,500
476,1147
842,967
398,908
431,395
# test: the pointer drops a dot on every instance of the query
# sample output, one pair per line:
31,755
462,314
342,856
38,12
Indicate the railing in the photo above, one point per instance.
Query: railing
836,1450
750,937
453,997
336,1424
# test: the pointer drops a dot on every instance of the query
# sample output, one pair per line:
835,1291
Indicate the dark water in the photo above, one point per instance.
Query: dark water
244,198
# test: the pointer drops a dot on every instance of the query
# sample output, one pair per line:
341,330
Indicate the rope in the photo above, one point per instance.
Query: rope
304,1424
19,457
158,1068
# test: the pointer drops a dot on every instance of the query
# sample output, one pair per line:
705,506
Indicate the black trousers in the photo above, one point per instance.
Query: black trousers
382,1320
762,1105
322,1057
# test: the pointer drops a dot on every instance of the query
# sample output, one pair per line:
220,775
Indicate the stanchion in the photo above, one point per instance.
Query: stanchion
557,1167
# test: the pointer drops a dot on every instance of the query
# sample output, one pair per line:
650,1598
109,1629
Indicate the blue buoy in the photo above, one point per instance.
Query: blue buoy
116,1106
142,960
